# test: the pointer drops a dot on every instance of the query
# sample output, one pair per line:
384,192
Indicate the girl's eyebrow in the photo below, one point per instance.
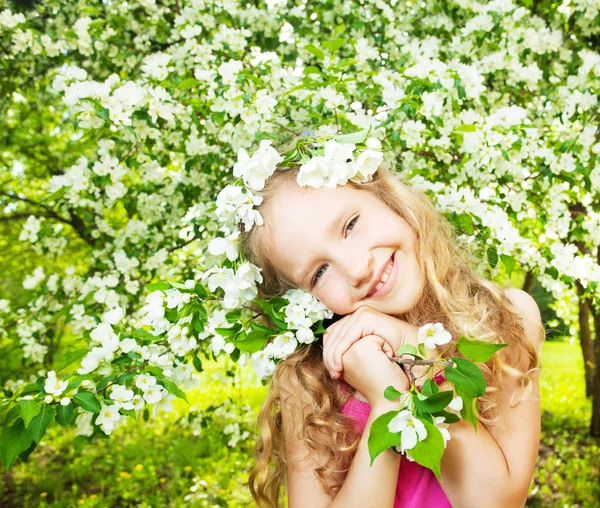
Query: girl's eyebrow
331,229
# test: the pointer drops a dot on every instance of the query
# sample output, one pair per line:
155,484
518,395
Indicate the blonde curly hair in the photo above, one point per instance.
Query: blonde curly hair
454,294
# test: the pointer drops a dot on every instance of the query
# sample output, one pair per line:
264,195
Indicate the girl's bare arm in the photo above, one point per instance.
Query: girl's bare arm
365,485
494,468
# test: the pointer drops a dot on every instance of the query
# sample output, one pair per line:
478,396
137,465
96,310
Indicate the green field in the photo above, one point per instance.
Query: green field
162,464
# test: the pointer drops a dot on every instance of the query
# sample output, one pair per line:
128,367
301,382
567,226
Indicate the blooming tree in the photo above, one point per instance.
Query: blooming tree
123,121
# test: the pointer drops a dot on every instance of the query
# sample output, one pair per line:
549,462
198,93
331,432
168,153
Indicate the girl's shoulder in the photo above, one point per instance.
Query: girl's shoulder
529,312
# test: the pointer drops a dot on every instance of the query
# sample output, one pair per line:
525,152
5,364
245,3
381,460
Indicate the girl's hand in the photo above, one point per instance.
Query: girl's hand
369,370
341,335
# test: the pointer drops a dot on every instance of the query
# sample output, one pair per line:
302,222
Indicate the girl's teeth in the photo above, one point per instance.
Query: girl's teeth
385,276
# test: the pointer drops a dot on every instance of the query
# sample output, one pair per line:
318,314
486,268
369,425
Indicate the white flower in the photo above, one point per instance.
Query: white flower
365,166
154,394
174,298
256,169
105,335
84,423
438,421
108,417
262,362
227,245
65,401
284,345
412,429
53,386
145,381
373,143
433,335
218,344
338,151
121,394
315,173
113,316
128,345
456,405
305,335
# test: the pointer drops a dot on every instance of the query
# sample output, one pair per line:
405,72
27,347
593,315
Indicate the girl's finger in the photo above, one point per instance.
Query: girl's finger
328,343
345,331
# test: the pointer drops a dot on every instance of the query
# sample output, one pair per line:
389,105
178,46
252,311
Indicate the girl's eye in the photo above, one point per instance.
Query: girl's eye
351,223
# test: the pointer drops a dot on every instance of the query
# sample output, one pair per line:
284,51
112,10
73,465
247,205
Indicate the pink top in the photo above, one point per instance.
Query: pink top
417,486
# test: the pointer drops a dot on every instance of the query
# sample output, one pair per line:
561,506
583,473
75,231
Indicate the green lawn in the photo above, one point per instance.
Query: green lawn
166,463
568,472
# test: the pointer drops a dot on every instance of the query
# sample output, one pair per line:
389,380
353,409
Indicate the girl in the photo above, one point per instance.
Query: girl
385,262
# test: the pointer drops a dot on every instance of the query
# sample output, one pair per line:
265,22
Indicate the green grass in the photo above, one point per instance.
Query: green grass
568,469
163,463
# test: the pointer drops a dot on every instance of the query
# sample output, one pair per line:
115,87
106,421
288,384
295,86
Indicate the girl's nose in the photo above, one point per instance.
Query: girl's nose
359,266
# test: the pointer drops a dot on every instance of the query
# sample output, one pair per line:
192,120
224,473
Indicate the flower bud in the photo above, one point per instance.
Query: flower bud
373,143
48,399
65,401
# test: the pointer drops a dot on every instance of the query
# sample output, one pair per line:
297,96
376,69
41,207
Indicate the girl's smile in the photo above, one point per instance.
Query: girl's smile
340,245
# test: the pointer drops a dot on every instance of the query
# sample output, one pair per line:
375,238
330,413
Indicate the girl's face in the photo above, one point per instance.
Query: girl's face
338,244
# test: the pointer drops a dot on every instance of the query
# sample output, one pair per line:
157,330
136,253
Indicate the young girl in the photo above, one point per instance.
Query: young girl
385,262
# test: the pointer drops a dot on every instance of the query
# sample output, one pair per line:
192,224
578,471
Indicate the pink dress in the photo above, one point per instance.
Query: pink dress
417,486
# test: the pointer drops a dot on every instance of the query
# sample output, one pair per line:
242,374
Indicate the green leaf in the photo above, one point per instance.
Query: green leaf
29,389
466,128
229,332
335,44
28,409
13,413
172,388
24,455
509,263
198,364
252,342
72,357
467,377
492,256
311,48
64,414
450,417
429,388
408,349
56,195
13,441
380,438
422,351
435,402
429,451
391,393
438,120
188,83
88,401
39,422
478,350
105,382
355,137
311,69
158,286
129,412
467,412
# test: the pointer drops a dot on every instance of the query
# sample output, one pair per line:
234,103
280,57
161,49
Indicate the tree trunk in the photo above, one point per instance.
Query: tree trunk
595,389
585,339
595,423
528,281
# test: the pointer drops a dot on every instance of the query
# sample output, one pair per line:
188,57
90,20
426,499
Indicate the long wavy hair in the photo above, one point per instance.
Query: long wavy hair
454,294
